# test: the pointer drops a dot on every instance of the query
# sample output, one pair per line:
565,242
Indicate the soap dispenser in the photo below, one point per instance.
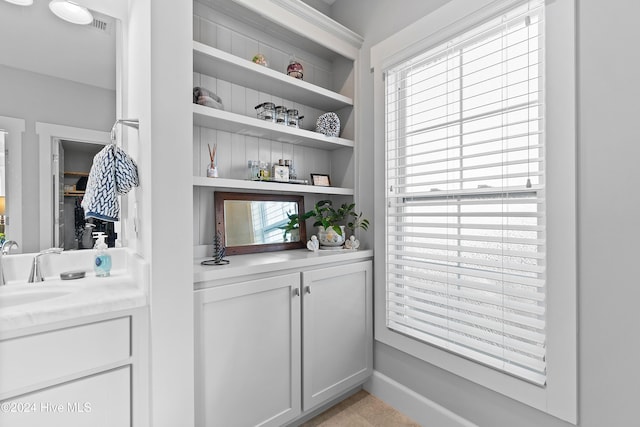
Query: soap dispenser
102,263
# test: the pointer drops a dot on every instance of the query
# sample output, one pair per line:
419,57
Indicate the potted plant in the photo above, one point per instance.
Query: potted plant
291,231
331,222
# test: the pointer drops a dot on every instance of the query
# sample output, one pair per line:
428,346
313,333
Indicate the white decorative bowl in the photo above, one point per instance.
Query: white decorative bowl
330,237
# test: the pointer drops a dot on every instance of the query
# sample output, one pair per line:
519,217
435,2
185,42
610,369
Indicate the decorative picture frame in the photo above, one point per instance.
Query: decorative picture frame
320,180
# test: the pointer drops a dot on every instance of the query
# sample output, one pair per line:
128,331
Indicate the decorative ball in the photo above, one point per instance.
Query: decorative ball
260,59
328,124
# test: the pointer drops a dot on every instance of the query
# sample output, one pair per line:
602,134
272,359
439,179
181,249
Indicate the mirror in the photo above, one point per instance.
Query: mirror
55,73
249,223
3,181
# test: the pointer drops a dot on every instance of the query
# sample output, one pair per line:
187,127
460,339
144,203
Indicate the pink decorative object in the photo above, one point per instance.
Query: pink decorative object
295,69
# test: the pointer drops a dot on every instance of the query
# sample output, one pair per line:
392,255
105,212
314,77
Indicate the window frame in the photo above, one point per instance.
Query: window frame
559,396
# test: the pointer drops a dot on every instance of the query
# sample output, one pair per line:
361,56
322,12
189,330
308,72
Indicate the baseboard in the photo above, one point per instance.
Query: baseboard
323,407
417,407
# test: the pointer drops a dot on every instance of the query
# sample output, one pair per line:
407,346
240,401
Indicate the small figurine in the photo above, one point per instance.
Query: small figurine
295,69
260,59
313,245
352,243
219,251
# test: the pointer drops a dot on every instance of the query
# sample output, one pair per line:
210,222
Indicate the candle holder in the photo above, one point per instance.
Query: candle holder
295,69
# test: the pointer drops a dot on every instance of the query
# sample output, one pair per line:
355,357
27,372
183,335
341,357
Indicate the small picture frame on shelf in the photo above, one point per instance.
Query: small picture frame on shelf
320,180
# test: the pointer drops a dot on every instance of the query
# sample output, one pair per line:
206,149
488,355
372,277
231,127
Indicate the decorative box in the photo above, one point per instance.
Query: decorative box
280,173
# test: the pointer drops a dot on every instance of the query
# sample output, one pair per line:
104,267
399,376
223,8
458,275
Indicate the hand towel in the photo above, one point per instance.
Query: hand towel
207,98
113,173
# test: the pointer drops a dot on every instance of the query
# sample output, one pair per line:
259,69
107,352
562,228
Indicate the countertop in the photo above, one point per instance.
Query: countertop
267,262
23,305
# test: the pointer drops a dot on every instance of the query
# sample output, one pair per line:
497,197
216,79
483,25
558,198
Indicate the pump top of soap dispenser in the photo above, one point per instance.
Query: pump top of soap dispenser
100,237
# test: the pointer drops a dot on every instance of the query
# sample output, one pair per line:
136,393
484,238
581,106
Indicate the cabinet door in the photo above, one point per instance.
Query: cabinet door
248,353
102,400
337,332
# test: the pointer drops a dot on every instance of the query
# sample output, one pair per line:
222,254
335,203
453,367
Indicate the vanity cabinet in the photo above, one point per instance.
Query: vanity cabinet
270,350
101,400
88,371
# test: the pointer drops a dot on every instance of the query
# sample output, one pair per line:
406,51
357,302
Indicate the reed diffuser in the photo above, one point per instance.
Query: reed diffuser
212,170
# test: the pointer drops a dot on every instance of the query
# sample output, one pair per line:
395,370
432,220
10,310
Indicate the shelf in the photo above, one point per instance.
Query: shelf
238,184
250,126
222,65
294,22
67,173
74,193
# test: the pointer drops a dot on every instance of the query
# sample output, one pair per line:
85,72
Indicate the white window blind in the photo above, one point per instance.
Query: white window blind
465,230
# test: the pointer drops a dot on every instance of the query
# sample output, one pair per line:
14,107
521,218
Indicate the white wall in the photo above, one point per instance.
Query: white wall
159,93
608,203
39,98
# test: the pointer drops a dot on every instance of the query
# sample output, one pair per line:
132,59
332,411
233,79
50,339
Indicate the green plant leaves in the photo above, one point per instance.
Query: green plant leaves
327,216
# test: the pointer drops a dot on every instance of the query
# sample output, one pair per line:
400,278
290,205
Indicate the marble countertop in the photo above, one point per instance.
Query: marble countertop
23,305
267,262
68,299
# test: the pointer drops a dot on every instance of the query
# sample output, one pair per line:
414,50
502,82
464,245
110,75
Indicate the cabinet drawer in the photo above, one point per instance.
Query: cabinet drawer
40,359
102,400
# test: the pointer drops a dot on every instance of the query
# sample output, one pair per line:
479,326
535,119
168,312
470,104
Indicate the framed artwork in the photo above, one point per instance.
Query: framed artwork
320,180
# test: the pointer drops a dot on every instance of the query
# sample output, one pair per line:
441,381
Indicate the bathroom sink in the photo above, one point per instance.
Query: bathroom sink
29,296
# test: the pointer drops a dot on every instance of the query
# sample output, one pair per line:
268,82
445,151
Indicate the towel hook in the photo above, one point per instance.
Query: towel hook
134,123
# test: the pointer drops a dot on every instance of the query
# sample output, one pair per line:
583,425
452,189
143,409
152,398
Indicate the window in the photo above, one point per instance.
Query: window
465,201
475,159
268,218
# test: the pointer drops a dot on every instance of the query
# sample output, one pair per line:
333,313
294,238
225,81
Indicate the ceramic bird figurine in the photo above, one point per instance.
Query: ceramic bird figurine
313,245
352,243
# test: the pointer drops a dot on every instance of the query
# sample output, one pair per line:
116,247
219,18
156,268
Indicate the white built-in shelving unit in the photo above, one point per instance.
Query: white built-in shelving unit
227,34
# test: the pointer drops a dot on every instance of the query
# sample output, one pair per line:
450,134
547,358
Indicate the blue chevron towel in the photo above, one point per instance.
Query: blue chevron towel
113,173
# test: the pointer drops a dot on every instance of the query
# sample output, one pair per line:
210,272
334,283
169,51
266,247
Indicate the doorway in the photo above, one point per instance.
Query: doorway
75,159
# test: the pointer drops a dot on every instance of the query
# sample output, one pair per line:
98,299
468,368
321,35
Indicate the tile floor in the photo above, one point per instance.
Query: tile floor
361,410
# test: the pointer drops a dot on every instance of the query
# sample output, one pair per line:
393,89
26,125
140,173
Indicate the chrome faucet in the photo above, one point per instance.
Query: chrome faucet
5,248
36,271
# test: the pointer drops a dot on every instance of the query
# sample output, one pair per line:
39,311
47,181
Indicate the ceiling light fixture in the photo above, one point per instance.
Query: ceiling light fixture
71,12
20,2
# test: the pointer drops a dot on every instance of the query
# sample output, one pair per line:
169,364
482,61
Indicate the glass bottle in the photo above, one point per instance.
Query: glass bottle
281,115
212,170
292,170
254,169
292,118
265,173
266,111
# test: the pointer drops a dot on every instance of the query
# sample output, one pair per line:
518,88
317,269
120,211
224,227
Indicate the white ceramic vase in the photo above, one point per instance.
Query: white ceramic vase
330,237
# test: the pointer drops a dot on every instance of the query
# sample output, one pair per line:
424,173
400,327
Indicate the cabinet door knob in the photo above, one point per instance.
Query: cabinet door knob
308,289
296,292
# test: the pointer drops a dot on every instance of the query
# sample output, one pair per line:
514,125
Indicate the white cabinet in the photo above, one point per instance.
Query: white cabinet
337,331
102,400
248,353
39,359
252,336
80,372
